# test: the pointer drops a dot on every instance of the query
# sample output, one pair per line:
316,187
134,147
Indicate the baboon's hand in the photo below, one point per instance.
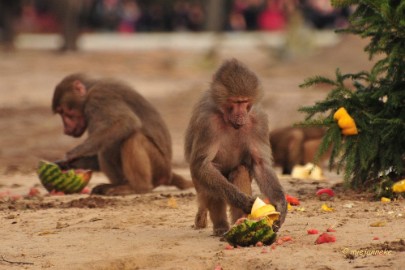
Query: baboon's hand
247,207
282,208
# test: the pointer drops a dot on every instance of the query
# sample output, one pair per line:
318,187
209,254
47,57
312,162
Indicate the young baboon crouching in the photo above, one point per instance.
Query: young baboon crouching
227,146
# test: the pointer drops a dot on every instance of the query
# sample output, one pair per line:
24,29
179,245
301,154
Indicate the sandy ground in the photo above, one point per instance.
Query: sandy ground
155,231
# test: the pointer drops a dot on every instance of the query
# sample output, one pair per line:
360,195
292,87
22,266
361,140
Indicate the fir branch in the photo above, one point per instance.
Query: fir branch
317,80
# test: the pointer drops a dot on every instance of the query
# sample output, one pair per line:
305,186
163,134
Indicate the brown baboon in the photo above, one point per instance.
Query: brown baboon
227,145
127,138
295,145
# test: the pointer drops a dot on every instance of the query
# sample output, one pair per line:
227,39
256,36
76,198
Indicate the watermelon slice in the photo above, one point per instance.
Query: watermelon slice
54,179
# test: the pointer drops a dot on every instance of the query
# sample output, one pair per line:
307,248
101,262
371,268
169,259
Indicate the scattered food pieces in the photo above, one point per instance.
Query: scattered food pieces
399,186
279,241
380,223
259,244
312,231
86,190
282,240
308,171
218,267
325,238
330,229
385,200
172,203
326,208
326,191
229,247
292,200
34,192
376,238
348,205
57,193
15,197
286,238
345,122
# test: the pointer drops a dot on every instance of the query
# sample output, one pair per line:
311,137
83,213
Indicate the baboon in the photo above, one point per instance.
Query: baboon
295,145
227,146
127,138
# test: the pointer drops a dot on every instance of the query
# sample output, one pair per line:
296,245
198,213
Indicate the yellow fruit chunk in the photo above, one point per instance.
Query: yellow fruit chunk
350,131
379,223
385,200
260,209
257,204
267,210
346,122
309,171
399,186
326,208
339,113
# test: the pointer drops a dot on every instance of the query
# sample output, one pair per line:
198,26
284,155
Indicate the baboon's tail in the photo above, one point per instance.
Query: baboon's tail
181,183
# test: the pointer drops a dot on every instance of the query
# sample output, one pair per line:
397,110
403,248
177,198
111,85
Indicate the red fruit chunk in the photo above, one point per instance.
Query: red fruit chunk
325,238
218,267
292,200
33,192
259,244
56,193
279,241
228,247
85,190
330,229
15,197
312,231
286,238
325,191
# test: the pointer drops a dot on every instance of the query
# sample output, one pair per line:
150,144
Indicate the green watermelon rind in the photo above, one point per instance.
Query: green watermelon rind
45,171
250,232
76,186
69,180
54,179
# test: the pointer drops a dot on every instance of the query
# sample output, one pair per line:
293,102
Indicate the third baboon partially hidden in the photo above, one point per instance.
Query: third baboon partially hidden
227,146
295,146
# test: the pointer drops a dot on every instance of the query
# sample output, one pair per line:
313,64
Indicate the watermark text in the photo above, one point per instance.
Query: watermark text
365,252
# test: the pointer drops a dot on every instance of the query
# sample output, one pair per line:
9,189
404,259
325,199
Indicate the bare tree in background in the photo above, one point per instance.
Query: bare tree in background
215,15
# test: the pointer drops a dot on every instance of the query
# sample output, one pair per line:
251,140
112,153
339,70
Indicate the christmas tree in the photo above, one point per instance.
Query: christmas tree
372,152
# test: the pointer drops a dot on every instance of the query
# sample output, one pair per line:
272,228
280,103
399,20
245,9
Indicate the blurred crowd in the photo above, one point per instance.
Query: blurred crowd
130,16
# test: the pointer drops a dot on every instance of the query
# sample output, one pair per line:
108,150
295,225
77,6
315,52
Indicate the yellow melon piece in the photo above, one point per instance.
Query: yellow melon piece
266,210
257,204
340,113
